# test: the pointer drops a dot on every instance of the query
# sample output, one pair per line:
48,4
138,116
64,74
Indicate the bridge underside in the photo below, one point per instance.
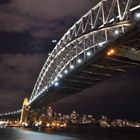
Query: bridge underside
98,69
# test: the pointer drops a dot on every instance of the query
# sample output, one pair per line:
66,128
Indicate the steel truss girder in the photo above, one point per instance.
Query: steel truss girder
95,29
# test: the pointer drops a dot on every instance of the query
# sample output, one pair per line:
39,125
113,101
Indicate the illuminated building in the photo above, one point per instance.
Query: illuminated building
49,112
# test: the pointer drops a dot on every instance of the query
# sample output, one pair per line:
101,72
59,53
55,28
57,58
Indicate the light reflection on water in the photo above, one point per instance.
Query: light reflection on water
20,134
70,134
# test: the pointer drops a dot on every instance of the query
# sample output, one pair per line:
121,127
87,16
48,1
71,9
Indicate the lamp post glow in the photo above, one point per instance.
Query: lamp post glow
71,66
56,84
52,82
137,16
111,52
116,32
60,75
79,61
66,71
100,44
56,79
88,53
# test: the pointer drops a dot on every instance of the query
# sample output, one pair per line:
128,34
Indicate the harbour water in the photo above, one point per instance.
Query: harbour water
70,134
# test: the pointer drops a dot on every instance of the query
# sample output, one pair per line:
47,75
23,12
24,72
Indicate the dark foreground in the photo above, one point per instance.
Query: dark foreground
70,134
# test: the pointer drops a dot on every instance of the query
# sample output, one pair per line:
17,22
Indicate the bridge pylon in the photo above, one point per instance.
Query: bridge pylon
25,112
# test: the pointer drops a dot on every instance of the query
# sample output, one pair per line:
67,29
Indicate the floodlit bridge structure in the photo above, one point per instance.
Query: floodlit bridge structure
102,44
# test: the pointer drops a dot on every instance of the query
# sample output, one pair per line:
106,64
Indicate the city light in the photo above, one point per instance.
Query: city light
108,53
116,32
111,52
63,120
88,53
65,71
48,125
79,61
137,16
56,79
52,82
46,87
60,75
56,84
71,66
100,44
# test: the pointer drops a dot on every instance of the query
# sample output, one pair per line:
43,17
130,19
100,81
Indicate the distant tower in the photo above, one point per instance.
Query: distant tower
25,111
49,112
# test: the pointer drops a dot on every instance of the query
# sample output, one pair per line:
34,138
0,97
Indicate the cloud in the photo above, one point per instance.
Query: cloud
18,75
41,18
11,99
52,9
13,22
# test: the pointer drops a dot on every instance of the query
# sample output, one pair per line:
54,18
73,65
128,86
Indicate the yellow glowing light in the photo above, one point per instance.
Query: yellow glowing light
48,125
40,123
58,124
110,52
53,124
49,107
63,125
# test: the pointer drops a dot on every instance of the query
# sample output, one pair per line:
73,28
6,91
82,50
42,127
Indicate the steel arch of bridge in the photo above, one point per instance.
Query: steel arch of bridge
102,24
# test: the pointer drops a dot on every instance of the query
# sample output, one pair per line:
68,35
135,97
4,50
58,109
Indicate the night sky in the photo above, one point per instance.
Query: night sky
27,28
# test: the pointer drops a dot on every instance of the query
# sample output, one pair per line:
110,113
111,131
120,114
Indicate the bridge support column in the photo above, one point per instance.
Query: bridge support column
25,112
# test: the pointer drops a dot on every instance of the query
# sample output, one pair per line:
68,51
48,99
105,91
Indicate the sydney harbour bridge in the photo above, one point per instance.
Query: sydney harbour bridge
102,44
